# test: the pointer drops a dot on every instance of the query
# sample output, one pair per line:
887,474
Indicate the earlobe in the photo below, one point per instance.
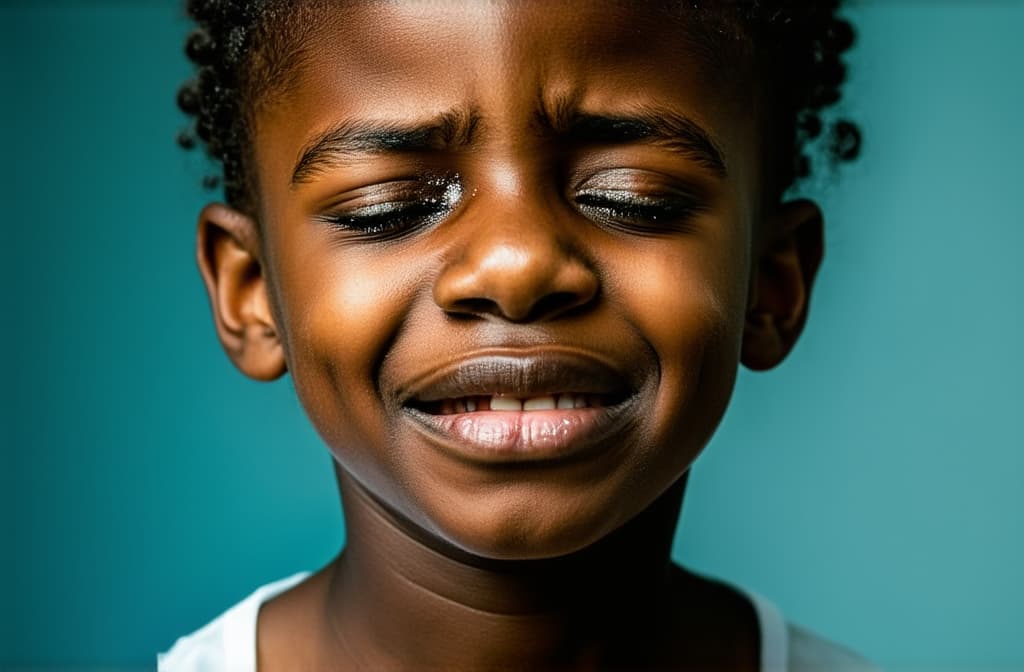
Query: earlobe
227,251
789,257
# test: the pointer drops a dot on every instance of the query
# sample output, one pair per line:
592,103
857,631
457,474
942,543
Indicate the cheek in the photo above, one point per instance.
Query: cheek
688,303
340,319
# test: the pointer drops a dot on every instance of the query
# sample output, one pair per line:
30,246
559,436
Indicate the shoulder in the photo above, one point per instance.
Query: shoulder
810,653
201,651
229,641
789,647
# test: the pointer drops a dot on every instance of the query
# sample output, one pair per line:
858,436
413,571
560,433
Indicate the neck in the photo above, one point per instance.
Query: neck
397,598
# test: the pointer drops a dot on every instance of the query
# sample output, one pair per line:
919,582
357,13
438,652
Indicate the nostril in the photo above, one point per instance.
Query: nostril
558,303
518,274
474,306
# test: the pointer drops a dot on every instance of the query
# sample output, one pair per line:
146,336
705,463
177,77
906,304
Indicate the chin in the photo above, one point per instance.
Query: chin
527,528
505,548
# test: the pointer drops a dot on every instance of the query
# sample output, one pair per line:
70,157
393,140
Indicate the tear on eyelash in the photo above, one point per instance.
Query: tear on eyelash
389,219
642,213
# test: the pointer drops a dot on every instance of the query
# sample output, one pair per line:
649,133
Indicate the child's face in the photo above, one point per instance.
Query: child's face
543,201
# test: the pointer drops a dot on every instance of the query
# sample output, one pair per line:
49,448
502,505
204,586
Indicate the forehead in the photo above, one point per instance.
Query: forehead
505,61
598,31
417,43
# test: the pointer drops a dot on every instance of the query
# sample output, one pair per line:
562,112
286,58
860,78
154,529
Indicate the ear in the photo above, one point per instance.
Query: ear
227,249
789,257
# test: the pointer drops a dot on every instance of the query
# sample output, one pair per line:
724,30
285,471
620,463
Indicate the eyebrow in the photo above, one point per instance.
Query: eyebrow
662,127
355,137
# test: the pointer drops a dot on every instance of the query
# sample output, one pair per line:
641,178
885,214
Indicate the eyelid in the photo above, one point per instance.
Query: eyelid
639,201
642,186
638,180
378,192
391,209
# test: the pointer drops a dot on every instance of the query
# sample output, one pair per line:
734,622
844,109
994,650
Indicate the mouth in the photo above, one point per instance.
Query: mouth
521,407
562,401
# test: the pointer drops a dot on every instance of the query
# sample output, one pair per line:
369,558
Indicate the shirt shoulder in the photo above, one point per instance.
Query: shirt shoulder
227,643
790,648
810,653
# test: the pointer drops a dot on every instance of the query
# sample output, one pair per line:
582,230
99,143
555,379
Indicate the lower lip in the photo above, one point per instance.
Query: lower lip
510,436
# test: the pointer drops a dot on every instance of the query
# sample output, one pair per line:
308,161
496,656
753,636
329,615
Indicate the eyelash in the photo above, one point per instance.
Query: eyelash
389,220
386,220
632,212
616,208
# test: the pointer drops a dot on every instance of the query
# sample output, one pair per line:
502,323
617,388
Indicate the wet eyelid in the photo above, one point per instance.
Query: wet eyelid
639,201
392,208
377,192
641,187
638,180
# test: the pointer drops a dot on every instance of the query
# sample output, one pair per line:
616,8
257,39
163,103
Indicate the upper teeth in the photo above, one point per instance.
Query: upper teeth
513,404
547,402
539,404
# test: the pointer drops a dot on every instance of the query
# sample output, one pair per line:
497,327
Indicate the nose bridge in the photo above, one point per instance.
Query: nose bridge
515,258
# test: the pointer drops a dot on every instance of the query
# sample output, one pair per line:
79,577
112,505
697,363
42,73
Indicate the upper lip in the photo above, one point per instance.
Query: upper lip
518,373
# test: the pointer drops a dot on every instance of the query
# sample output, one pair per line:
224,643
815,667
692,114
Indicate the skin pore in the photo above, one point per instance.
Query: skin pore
463,205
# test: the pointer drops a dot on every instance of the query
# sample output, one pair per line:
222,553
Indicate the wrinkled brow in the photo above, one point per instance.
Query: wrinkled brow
660,126
664,127
367,136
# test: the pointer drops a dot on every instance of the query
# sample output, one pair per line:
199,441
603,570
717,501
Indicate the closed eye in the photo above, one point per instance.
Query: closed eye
391,210
383,219
640,213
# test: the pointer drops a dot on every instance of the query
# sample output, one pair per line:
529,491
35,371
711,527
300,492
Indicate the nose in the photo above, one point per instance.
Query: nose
517,266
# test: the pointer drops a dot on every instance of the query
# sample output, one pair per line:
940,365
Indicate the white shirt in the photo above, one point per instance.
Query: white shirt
228,643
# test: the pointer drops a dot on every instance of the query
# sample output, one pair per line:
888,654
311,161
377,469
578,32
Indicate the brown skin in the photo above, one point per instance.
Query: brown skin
455,560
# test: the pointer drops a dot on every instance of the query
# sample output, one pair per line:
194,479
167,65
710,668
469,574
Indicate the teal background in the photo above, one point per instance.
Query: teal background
871,486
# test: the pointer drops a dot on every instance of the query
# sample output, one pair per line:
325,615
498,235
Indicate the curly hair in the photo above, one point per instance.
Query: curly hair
245,49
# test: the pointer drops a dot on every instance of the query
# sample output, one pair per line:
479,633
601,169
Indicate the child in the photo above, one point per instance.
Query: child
512,254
